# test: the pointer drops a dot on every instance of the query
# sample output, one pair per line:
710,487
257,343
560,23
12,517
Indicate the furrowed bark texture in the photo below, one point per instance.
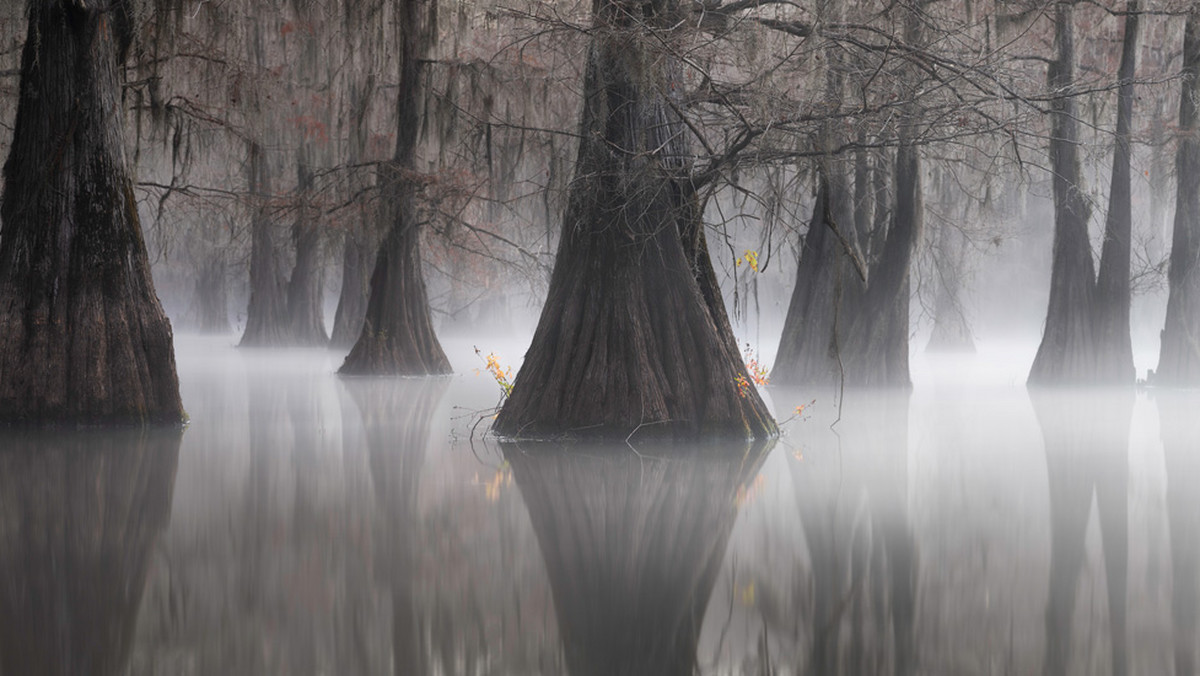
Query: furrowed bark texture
79,518
83,338
397,333
1179,360
633,336
632,548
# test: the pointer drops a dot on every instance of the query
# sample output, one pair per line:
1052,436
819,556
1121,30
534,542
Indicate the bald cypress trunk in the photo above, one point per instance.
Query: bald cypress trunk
209,312
1114,358
1179,361
397,333
1086,337
633,337
305,299
352,299
266,316
82,335
838,327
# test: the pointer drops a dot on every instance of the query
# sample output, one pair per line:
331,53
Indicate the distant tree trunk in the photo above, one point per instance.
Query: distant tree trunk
1086,338
359,238
80,514
83,338
1179,360
209,312
1114,358
632,546
839,330
633,337
352,300
305,290
397,333
266,316
951,330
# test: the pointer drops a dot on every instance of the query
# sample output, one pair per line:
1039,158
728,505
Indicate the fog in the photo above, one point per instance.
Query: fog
322,524
416,337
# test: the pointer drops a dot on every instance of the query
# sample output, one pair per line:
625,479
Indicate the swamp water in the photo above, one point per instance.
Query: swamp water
309,524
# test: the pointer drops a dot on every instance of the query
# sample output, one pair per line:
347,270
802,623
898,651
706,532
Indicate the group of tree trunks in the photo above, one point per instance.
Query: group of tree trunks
634,338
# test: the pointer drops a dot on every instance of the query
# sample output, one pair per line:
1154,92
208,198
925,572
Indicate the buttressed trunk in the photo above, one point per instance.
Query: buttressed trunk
1179,361
633,337
82,335
397,333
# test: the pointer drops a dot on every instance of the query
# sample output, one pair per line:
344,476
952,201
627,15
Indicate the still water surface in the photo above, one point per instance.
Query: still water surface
308,524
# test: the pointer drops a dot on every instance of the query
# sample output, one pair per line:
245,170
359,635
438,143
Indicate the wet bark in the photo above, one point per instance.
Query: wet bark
79,517
633,337
397,332
305,298
1086,336
633,546
84,339
1179,360
266,316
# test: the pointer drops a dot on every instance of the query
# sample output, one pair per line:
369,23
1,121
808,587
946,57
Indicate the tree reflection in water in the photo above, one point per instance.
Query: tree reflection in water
633,541
851,490
79,515
396,414
1087,454
1179,418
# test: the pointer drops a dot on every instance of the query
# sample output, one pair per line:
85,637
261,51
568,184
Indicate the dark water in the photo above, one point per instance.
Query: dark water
306,524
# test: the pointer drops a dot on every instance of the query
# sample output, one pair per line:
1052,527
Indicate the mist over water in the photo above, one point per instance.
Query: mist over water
318,524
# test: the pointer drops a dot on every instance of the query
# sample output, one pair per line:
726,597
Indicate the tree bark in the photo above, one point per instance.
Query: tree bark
83,338
633,337
1179,360
397,333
